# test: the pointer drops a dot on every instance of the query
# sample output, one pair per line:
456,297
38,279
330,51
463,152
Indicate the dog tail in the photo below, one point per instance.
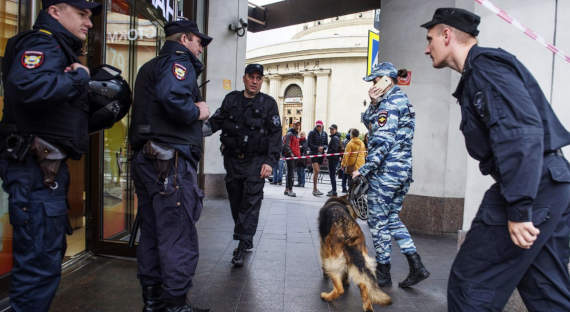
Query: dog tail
361,270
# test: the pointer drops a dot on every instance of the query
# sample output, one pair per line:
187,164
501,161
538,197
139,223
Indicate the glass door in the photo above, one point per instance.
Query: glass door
132,38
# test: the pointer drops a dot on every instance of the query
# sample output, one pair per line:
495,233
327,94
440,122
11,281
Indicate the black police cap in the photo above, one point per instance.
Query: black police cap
186,26
455,17
254,68
80,4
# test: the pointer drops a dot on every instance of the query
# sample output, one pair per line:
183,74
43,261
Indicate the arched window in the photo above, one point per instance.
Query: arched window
293,91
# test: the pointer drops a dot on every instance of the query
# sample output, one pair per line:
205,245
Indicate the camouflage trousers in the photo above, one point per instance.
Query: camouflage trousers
385,197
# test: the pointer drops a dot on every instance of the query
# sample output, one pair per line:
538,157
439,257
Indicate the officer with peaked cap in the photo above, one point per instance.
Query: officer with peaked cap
166,136
45,121
519,237
251,145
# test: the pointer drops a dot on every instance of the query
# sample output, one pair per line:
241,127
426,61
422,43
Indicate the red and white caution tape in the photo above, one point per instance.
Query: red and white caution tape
320,155
527,31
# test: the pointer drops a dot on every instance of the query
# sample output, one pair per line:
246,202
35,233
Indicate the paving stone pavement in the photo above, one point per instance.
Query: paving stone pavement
282,273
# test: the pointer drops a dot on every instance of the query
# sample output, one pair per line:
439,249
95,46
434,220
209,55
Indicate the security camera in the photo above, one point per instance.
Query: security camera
240,28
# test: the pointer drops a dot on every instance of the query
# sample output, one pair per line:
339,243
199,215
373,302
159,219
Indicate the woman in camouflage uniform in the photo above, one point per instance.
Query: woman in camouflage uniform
390,120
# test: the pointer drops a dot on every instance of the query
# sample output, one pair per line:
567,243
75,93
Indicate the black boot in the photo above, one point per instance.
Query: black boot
178,304
418,272
238,256
383,275
151,298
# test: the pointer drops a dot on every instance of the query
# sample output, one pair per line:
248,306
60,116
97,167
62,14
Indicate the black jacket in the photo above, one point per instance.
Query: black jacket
166,91
334,146
508,126
250,127
40,98
314,140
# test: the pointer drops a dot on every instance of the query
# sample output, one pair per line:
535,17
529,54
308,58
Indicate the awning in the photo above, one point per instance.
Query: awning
293,12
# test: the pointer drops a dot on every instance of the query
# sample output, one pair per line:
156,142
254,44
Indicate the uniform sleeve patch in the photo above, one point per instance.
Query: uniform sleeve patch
382,118
32,59
276,120
179,71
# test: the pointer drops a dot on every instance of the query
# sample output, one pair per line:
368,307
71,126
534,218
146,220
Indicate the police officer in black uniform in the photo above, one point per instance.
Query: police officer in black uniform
251,145
166,136
45,121
519,237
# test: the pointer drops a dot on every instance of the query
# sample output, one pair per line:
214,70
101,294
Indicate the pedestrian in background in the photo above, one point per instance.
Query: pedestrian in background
519,237
334,146
317,142
354,155
291,148
251,139
278,172
301,164
345,175
390,119
166,137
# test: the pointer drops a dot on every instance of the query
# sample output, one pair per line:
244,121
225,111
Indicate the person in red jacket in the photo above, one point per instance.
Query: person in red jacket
291,148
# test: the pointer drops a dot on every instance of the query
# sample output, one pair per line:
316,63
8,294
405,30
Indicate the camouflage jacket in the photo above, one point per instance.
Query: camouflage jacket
390,125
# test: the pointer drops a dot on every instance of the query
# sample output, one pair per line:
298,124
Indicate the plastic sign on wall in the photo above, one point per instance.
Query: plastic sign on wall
405,81
373,48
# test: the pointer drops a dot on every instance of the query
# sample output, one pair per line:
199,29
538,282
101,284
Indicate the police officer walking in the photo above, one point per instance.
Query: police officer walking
251,145
519,237
45,121
390,120
166,136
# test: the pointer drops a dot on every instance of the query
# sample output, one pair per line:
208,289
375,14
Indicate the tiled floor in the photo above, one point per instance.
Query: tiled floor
281,274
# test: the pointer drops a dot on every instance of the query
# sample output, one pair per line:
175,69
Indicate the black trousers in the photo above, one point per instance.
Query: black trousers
167,254
333,162
489,266
290,173
245,192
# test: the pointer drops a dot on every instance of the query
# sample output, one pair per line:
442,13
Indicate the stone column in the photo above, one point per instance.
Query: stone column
308,101
274,83
322,99
265,85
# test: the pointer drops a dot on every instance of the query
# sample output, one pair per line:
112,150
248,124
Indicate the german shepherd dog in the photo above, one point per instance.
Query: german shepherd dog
344,254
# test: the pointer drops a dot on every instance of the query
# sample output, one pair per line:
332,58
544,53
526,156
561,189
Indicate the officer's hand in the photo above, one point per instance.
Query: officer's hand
321,149
355,174
76,66
374,93
523,234
204,110
265,171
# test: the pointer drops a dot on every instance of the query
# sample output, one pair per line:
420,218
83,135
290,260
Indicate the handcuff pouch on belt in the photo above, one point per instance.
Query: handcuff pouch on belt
49,158
161,156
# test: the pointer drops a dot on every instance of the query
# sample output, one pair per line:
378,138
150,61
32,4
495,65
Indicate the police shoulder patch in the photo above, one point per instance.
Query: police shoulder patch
276,120
179,71
32,59
382,118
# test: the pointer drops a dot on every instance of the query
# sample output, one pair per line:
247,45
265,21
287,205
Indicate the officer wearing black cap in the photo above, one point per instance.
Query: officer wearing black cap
520,235
166,137
251,145
45,120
